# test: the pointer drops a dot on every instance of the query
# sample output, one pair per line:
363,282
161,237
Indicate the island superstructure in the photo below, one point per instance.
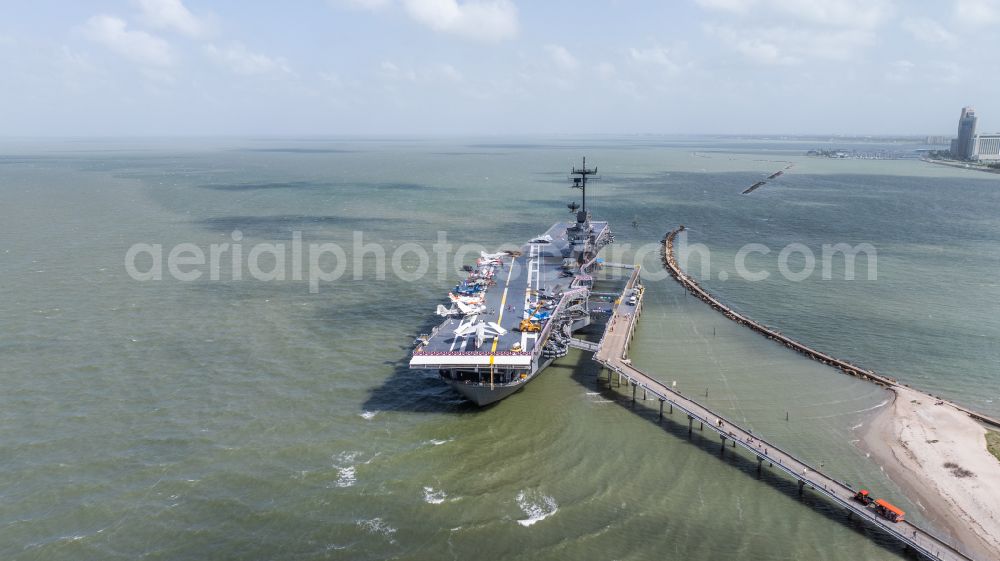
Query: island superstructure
515,312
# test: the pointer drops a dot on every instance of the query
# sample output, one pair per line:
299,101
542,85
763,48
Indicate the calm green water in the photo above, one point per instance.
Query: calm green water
240,419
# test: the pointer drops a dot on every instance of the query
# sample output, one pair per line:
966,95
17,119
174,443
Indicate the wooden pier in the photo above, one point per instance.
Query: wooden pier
612,354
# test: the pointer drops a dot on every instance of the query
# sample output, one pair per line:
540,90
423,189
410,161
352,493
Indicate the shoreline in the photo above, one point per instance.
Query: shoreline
912,438
960,165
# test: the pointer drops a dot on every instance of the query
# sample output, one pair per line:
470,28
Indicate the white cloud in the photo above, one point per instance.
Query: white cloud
841,13
757,47
139,46
78,71
977,12
943,74
363,4
946,72
239,60
433,73
72,61
763,51
735,6
900,71
785,45
331,79
786,32
484,20
390,71
657,55
562,57
927,30
448,72
172,14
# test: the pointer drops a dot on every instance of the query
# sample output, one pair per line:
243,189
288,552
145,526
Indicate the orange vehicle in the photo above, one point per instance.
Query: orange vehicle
888,511
864,497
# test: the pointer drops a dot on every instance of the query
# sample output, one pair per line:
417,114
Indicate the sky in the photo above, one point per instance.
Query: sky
496,67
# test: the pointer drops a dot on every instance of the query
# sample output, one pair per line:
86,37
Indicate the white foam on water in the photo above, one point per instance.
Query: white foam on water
346,456
378,527
368,415
439,442
536,507
433,497
347,471
347,476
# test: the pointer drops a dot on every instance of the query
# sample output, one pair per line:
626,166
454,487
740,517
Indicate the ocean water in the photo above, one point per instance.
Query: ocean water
244,419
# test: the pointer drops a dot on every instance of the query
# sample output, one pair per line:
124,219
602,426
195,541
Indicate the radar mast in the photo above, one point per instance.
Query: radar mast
579,177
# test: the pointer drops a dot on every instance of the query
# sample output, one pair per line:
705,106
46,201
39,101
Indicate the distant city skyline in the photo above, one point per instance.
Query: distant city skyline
479,67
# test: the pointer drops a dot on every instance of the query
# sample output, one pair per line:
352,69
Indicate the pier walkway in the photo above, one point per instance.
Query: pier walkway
582,345
612,354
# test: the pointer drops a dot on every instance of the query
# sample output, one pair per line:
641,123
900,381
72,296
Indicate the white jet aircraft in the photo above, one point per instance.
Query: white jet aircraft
462,309
492,256
481,329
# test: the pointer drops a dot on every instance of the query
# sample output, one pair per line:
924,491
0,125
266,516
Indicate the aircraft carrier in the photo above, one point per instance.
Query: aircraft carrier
515,312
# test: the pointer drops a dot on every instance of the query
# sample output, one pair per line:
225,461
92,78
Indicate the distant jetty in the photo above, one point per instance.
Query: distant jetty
763,182
670,263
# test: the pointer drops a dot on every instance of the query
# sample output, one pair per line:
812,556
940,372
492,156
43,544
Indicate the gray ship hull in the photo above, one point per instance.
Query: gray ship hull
485,394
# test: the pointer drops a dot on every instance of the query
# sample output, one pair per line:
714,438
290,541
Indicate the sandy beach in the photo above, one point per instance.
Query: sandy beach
938,455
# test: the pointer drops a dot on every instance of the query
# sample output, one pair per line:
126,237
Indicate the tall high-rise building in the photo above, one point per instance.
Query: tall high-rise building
964,146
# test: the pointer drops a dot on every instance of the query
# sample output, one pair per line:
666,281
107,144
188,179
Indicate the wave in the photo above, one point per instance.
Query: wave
368,415
346,466
882,403
347,476
434,497
377,526
536,507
